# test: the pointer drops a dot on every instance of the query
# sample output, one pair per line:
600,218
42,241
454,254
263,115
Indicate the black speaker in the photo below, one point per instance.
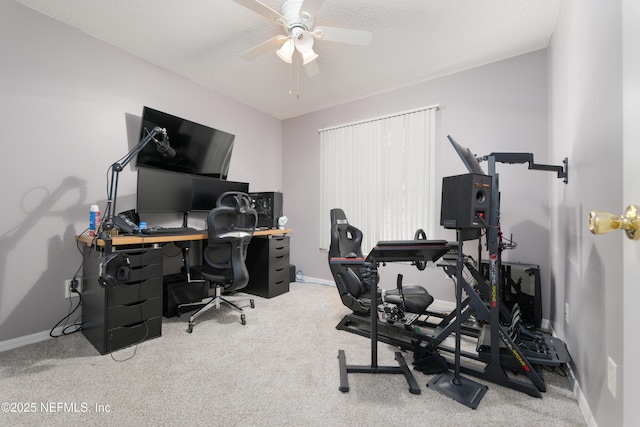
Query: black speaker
465,201
269,208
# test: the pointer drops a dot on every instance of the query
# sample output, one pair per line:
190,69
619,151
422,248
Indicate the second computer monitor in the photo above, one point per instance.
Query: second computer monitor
205,191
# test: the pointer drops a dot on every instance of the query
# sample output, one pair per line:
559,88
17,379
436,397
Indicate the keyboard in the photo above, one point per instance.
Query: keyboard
170,230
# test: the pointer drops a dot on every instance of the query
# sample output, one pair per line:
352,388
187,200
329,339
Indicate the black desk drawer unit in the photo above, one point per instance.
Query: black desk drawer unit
268,265
129,312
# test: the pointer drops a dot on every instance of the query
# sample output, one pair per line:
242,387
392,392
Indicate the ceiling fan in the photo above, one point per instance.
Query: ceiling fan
296,17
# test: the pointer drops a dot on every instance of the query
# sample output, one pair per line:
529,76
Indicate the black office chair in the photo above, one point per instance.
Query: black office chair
354,284
230,227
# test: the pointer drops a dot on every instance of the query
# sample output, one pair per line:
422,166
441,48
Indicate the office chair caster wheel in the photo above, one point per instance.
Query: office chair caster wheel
252,303
190,328
243,319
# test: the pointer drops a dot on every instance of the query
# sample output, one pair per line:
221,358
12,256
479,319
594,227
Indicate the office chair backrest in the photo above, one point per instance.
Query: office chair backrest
230,228
352,283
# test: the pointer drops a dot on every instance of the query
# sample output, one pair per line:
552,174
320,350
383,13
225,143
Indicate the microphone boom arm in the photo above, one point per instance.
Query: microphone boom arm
116,168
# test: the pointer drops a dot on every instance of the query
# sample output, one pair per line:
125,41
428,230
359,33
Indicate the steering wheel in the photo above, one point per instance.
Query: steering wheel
420,235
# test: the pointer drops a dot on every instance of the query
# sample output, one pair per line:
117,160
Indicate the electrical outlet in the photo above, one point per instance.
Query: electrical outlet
67,288
612,369
566,313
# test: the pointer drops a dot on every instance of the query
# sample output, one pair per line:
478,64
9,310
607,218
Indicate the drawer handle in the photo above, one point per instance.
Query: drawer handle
281,281
135,304
280,269
133,325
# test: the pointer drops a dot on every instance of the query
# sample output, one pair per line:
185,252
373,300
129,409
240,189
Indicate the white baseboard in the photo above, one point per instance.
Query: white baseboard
575,386
304,279
28,339
545,325
582,402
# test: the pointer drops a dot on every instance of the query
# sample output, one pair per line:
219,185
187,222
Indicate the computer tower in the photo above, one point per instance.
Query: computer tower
466,200
520,285
268,205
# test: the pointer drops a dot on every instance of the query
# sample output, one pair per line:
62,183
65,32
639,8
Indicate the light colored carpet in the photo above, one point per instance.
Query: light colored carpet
281,369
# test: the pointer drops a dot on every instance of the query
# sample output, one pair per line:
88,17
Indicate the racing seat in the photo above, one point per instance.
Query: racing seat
354,284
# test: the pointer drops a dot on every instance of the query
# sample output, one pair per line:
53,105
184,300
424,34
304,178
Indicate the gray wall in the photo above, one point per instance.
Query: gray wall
585,75
69,108
495,108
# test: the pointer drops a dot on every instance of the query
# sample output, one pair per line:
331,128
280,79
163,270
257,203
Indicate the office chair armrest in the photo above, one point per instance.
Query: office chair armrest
234,235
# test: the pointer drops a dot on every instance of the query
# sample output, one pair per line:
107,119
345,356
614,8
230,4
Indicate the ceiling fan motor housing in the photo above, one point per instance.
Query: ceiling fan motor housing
290,9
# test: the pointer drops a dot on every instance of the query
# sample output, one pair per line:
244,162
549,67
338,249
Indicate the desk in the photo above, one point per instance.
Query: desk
131,312
149,239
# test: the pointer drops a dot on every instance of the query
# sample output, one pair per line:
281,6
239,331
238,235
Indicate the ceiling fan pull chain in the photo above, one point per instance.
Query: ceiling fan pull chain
290,78
297,76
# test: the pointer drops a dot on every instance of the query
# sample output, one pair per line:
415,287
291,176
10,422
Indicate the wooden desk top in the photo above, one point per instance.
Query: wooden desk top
143,239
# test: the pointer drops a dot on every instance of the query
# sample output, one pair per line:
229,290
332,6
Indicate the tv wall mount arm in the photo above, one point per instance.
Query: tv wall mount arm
521,158
110,221
493,241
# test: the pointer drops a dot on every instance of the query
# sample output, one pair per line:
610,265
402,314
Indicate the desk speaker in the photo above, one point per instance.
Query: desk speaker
465,201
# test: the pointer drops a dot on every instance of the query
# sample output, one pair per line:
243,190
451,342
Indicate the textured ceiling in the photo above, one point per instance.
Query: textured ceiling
413,41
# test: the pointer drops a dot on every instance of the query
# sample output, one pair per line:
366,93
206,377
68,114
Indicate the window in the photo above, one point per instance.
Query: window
381,173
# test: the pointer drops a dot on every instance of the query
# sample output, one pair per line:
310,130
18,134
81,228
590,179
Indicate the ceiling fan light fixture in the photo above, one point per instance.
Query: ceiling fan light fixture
303,40
286,51
308,56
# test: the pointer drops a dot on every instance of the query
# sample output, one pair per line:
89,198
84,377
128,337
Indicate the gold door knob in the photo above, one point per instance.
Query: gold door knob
604,222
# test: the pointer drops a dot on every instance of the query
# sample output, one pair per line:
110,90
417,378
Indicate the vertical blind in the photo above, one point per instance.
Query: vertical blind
381,173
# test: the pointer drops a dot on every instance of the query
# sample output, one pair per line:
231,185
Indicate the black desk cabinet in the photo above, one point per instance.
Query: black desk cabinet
268,265
131,311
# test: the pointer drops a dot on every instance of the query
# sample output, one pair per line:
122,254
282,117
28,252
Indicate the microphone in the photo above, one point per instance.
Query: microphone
163,146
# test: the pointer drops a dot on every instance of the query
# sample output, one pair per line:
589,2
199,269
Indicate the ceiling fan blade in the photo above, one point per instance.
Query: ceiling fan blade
261,9
312,69
264,47
342,35
309,8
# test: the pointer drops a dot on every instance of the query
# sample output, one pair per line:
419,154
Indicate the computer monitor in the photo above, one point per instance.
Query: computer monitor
468,158
161,191
205,191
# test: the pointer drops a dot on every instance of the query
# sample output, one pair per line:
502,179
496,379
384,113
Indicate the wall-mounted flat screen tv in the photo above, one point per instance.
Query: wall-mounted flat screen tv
200,150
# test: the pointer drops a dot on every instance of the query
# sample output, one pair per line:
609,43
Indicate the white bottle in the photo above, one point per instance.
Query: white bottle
94,220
